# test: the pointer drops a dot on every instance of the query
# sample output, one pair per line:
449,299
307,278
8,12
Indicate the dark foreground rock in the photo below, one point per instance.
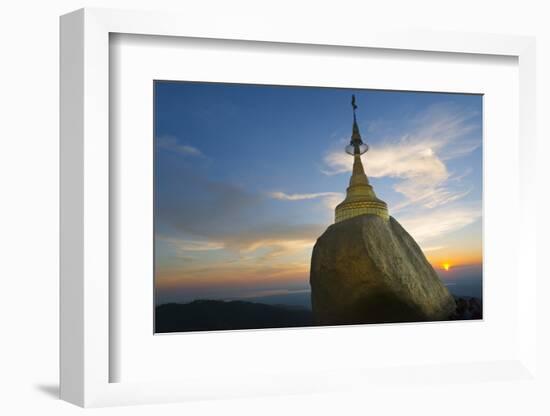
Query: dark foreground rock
370,270
211,315
467,308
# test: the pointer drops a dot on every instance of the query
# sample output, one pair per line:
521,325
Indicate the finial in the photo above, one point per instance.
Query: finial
356,145
353,105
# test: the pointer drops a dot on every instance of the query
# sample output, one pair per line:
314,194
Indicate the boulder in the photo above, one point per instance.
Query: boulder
368,269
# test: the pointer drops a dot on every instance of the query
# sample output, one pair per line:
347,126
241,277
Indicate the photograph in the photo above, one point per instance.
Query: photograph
297,206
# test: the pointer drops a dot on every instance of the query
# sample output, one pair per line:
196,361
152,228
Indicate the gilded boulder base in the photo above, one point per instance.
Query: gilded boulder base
370,270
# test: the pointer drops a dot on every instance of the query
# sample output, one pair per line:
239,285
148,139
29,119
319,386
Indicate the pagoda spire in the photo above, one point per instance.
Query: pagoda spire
355,135
360,197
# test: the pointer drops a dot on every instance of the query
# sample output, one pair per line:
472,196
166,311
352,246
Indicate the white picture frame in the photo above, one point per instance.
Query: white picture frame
85,204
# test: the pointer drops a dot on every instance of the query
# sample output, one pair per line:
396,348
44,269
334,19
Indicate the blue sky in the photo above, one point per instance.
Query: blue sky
247,178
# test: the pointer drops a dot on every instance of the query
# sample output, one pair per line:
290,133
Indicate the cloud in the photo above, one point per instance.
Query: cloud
333,200
172,144
193,206
330,199
265,242
197,214
230,281
424,194
301,197
275,239
432,248
417,160
424,227
192,245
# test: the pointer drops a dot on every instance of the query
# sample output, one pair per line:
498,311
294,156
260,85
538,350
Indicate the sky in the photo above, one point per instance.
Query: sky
247,178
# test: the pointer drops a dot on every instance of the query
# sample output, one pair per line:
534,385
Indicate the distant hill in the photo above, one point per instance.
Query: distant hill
292,299
212,315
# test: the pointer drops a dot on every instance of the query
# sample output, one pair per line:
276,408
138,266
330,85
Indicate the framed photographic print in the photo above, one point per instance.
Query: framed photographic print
274,213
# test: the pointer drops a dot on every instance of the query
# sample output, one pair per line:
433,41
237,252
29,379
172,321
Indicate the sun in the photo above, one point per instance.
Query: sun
446,266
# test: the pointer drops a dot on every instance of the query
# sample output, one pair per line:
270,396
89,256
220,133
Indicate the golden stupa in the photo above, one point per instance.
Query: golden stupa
360,197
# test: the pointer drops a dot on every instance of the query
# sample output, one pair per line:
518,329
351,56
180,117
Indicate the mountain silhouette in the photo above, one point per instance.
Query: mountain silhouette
212,315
